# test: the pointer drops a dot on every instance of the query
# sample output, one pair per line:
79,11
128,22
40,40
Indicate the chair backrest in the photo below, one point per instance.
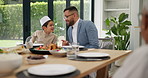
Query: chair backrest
106,43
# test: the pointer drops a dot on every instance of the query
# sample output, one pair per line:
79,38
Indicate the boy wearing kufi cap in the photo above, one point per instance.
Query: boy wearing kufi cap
45,36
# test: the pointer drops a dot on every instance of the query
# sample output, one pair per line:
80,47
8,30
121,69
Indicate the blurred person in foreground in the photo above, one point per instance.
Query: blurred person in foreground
80,31
45,36
136,64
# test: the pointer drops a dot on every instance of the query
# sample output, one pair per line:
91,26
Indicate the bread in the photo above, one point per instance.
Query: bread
52,46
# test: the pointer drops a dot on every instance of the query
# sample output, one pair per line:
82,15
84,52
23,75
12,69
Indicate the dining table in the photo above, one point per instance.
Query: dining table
84,67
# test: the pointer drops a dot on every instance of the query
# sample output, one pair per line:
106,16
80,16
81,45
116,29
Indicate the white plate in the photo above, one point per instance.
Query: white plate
35,44
51,69
93,54
71,46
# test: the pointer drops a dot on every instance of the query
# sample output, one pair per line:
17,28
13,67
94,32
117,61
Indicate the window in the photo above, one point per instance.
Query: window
38,10
60,25
11,22
87,9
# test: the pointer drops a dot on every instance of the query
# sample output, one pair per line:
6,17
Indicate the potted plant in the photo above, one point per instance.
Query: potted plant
118,29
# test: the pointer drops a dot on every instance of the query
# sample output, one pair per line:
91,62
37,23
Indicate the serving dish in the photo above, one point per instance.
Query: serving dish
59,53
36,59
44,52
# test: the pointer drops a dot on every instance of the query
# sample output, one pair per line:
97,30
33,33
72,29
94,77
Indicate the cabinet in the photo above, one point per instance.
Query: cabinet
115,8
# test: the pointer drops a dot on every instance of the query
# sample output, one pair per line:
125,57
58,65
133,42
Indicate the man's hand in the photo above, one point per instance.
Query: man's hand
64,42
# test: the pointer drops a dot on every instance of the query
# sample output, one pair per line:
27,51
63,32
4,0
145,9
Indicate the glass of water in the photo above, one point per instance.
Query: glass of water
73,51
71,54
75,47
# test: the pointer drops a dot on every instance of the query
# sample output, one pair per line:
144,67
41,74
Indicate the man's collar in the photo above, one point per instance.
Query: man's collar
76,24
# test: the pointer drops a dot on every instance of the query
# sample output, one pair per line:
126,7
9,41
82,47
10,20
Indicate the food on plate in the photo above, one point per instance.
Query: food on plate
52,46
36,57
12,49
48,47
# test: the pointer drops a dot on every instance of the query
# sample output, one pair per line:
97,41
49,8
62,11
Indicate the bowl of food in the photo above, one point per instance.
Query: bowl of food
9,63
59,52
36,59
44,49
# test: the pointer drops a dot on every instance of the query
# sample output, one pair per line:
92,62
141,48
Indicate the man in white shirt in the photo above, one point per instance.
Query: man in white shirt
80,31
136,65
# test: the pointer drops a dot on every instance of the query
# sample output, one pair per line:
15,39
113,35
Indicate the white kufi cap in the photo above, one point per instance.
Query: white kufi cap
44,20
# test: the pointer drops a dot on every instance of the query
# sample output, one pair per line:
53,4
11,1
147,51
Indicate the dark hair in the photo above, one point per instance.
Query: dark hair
71,8
46,23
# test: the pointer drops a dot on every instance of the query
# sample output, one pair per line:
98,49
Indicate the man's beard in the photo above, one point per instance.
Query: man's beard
71,23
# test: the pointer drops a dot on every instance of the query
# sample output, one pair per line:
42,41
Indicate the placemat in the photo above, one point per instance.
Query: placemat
25,74
89,59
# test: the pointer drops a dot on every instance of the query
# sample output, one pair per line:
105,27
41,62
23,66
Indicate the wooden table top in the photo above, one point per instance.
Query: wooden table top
85,67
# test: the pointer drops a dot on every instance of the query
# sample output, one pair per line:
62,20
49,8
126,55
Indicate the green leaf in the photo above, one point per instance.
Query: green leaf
123,32
113,19
126,28
116,40
127,37
107,37
127,45
114,30
108,33
107,22
120,46
1,50
122,17
127,22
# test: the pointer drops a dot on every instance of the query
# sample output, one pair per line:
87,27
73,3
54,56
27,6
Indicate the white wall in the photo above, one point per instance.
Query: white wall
135,30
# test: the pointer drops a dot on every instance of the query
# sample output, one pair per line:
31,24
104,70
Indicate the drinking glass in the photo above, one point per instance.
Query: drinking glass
28,42
71,54
73,51
75,47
